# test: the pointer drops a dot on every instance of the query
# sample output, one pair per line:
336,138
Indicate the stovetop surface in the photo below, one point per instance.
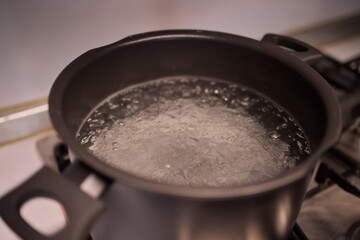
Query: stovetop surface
328,212
331,209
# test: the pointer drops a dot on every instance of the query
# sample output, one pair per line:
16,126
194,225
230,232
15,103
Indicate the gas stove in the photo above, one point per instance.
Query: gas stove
331,209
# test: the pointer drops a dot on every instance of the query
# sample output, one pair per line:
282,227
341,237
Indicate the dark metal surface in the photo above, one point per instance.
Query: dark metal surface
299,49
297,233
331,212
325,173
346,85
261,66
81,210
331,209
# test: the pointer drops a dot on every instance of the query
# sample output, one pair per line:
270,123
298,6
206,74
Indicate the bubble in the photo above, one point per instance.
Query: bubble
93,139
234,102
112,106
300,134
85,139
299,144
188,131
275,135
198,90
186,94
245,101
233,86
183,80
264,109
112,117
98,121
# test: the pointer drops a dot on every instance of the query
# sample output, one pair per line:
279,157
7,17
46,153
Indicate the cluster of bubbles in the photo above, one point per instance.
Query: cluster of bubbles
149,100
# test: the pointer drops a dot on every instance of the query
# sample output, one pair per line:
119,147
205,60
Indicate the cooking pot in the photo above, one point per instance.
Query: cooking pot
136,208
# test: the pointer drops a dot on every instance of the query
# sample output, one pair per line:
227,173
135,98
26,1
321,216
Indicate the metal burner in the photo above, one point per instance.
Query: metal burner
349,145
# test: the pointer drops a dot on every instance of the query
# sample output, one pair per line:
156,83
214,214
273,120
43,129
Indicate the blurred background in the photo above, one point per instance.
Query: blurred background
38,38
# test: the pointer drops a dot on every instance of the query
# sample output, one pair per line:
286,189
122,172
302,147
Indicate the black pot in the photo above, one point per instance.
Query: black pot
141,209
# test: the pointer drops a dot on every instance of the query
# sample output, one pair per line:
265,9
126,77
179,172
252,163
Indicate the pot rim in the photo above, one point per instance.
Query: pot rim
299,172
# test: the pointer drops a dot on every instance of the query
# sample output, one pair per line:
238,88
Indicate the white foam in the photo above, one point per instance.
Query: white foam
194,133
187,144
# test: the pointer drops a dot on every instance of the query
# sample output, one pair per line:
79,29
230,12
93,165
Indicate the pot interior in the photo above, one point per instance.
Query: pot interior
245,62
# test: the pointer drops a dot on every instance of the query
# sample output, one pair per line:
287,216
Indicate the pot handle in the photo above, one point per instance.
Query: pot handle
80,208
295,47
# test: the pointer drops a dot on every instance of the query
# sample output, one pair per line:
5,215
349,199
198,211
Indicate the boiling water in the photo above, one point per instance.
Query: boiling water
194,132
